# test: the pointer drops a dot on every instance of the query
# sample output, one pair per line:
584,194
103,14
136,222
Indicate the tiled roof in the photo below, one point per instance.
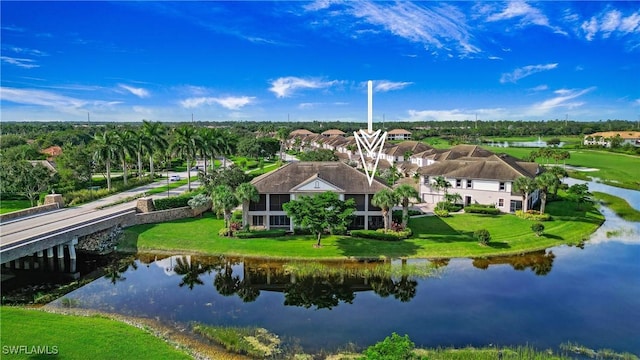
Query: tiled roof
496,167
399,131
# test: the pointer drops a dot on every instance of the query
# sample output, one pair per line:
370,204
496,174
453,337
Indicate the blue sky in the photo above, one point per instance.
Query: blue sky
305,61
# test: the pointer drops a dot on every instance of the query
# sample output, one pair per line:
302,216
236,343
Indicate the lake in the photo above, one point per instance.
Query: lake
588,295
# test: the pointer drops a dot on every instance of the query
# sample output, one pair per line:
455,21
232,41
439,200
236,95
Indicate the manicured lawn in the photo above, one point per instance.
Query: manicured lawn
79,337
613,168
7,206
433,237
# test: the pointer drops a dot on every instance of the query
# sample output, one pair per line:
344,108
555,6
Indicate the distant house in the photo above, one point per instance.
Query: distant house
399,134
479,179
308,178
333,132
301,132
604,138
52,152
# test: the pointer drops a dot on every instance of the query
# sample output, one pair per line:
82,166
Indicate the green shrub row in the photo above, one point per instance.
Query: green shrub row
85,195
482,209
172,202
441,213
260,234
382,235
444,205
533,215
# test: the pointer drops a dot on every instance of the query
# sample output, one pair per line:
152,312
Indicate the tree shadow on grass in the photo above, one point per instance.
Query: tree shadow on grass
499,245
551,236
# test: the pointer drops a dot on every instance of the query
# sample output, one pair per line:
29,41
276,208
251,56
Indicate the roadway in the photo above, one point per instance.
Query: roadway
15,231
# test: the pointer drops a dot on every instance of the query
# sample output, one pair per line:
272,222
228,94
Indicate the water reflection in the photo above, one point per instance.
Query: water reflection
319,285
540,262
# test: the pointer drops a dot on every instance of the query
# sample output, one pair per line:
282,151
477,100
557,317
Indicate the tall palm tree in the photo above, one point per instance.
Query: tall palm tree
246,192
224,201
385,199
154,135
209,145
406,192
440,183
126,142
105,150
526,185
185,144
547,182
225,147
283,134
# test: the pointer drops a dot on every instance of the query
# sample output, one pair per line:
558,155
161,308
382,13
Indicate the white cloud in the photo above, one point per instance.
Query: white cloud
525,71
441,27
385,85
527,15
610,23
494,58
51,100
286,86
540,88
230,102
563,100
457,114
23,63
139,92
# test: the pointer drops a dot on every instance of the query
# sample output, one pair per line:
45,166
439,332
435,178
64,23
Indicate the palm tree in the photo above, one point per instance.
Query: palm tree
526,185
547,182
126,143
142,145
283,133
224,201
154,135
406,192
106,148
246,192
440,183
185,145
385,199
210,145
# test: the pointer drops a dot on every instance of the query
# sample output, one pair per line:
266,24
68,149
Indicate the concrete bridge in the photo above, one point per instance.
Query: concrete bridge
47,235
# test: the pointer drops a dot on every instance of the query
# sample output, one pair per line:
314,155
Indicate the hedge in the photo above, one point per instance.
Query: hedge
381,235
172,202
481,209
260,234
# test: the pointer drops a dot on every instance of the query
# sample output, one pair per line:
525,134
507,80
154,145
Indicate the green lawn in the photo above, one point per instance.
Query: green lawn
79,337
433,237
7,206
619,205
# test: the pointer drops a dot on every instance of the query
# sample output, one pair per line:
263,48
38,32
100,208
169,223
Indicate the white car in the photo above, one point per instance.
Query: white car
174,177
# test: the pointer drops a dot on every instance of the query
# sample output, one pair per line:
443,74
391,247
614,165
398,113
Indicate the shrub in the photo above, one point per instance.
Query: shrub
443,205
172,202
482,209
236,216
483,236
397,214
260,234
380,234
199,201
393,347
301,231
223,232
441,213
538,228
533,215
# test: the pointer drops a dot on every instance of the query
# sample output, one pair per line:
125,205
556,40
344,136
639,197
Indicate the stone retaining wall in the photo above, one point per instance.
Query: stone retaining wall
168,215
27,212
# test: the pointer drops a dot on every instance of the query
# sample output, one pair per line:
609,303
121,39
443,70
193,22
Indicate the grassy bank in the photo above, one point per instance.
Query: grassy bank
619,205
70,338
433,237
7,206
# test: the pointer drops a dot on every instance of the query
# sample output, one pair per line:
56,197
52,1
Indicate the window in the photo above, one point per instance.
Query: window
257,220
279,221
376,222
515,205
260,205
502,186
359,199
458,183
276,201
426,180
500,202
371,206
316,184
357,223
469,184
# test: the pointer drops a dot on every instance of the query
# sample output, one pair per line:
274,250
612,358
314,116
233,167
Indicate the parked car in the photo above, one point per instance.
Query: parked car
174,177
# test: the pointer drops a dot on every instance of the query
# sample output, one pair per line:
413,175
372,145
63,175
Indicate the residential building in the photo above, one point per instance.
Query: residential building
333,132
604,138
297,179
399,134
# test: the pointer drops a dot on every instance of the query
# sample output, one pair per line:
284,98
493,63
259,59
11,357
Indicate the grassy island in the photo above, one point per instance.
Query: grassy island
433,237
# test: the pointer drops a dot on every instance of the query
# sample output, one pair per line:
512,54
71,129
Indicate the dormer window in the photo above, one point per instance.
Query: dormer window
316,185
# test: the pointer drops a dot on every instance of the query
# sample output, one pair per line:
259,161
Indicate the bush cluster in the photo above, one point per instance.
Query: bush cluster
533,215
397,214
444,205
441,213
391,348
260,234
172,202
483,236
381,234
482,209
